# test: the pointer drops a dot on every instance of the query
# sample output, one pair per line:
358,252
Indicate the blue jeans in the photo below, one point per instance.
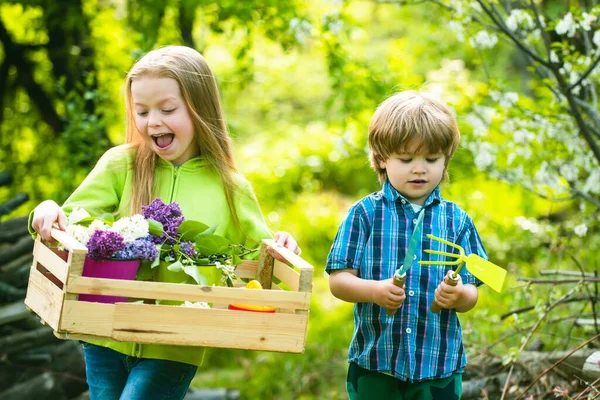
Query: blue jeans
113,376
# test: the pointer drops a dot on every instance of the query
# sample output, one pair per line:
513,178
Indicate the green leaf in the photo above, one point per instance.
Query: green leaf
87,221
155,228
212,244
189,229
107,218
145,272
177,266
156,261
193,271
207,232
235,260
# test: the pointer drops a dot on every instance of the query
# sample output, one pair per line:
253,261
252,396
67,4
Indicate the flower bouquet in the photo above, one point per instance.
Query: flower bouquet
190,250
115,248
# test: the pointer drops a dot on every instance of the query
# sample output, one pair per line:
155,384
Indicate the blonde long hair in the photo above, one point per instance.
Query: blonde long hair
201,95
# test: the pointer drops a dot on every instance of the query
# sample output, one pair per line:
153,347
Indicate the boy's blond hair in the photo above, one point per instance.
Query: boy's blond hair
411,119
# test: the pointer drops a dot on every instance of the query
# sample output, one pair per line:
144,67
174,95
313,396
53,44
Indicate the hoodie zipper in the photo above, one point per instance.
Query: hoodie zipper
175,177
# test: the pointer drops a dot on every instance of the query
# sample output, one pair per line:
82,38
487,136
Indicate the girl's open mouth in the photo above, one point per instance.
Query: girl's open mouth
418,181
163,140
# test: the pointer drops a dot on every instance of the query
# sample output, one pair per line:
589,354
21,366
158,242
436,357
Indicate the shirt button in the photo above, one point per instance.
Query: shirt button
408,330
414,221
415,257
411,293
403,201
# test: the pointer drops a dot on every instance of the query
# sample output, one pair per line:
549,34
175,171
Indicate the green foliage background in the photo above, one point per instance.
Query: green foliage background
298,103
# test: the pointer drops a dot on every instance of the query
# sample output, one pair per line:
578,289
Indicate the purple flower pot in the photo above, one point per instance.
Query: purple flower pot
109,269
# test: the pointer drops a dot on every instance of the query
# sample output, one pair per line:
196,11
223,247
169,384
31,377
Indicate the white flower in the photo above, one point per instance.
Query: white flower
301,29
519,18
198,304
596,38
131,228
581,230
586,21
553,57
484,40
98,225
566,25
458,30
80,233
569,172
484,156
76,215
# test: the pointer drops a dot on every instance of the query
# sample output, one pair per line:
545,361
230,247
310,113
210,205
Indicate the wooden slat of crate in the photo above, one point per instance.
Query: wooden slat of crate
81,317
44,297
52,262
182,292
145,323
287,275
247,269
209,327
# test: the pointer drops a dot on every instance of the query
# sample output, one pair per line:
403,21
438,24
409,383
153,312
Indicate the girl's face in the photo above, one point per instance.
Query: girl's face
162,117
415,176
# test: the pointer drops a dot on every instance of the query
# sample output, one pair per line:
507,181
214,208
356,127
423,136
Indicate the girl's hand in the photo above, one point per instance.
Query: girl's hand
286,240
447,295
387,295
45,215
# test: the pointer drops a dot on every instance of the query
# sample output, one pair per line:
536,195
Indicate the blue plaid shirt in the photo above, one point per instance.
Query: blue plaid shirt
415,344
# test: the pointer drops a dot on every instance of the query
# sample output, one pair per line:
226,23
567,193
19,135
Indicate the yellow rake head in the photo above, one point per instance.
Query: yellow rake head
489,273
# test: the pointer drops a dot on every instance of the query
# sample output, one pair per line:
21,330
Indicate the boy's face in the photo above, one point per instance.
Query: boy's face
415,176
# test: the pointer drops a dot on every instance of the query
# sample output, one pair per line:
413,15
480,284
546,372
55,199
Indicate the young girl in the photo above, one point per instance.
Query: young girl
177,148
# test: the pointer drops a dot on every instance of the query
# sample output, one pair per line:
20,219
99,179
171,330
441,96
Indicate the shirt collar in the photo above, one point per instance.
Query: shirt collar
390,193
191,164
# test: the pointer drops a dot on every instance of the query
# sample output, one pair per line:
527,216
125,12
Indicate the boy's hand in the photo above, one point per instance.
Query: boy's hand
447,295
45,215
387,295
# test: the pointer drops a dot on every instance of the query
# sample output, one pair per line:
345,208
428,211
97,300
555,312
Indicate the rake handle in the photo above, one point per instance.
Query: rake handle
449,280
398,281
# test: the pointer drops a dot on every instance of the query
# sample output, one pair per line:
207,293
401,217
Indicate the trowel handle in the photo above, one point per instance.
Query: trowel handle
435,307
398,281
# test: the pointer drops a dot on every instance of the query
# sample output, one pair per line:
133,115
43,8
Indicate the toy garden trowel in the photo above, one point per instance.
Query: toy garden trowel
400,274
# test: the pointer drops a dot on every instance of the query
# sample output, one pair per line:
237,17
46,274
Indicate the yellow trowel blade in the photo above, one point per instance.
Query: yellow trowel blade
487,272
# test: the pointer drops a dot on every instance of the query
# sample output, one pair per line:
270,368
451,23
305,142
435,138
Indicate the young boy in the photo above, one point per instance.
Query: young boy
415,353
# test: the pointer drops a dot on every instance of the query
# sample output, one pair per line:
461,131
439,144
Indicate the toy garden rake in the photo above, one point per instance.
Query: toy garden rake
487,272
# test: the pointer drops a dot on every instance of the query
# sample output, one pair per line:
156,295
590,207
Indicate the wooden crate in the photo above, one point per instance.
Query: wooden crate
54,286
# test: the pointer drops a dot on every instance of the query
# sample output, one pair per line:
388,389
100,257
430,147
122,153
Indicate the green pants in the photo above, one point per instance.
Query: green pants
363,384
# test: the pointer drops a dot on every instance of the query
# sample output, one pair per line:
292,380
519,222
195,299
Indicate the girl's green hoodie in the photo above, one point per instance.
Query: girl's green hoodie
197,188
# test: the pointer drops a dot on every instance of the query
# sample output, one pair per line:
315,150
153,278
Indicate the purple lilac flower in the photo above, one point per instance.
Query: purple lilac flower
169,215
104,244
188,249
139,249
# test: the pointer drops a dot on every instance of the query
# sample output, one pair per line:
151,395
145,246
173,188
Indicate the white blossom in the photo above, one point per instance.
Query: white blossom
554,57
484,156
301,29
483,40
76,215
198,304
98,225
596,38
581,230
569,172
131,228
566,26
458,30
80,233
586,21
519,18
